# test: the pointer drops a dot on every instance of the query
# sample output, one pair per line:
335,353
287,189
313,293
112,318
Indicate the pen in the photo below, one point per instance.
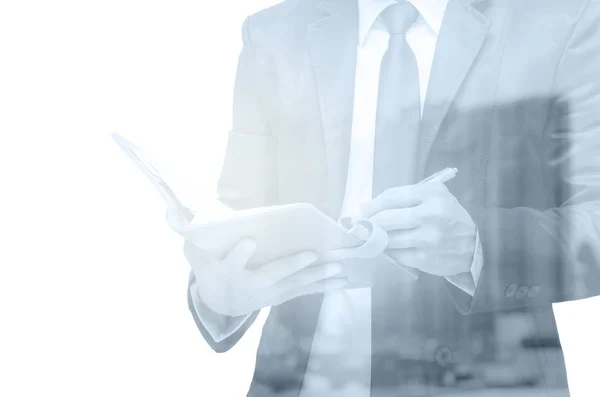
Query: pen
443,176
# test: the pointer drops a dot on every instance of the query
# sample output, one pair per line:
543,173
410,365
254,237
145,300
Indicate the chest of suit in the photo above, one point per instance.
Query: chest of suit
490,105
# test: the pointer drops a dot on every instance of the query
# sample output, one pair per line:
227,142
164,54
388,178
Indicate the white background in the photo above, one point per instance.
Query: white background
92,281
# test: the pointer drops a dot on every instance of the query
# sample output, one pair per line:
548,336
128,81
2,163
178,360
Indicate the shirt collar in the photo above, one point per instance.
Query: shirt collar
432,12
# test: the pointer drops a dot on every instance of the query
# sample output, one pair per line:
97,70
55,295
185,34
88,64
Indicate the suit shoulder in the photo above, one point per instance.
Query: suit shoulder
557,18
570,10
281,21
284,10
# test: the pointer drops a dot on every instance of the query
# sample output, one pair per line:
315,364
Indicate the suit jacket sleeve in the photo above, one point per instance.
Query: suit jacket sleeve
565,240
221,332
249,174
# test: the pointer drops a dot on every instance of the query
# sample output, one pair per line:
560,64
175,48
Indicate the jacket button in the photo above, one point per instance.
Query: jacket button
511,290
443,356
522,292
533,291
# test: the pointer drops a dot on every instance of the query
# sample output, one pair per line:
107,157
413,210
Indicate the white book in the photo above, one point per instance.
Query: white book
279,230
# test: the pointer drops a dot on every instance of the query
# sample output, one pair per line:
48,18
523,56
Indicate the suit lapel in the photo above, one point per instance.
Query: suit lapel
332,41
461,36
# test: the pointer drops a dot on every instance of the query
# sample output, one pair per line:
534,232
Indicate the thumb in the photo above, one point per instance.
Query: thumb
239,256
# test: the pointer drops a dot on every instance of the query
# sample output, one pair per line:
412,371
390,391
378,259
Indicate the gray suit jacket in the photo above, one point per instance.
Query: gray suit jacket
513,103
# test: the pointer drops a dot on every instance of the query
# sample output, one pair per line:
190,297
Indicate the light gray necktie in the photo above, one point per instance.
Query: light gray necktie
398,104
394,164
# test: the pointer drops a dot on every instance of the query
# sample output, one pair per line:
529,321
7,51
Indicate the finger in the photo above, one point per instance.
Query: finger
399,218
403,197
308,276
398,197
419,237
322,286
281,268
239,256
411,257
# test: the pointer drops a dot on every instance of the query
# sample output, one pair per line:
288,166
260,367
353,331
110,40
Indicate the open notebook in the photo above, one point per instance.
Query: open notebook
279,230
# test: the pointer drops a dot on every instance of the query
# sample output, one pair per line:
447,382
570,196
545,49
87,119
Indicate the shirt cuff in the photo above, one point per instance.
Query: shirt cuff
219,326
468,281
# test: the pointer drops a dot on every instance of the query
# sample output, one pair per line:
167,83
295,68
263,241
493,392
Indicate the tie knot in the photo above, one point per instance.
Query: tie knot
400,17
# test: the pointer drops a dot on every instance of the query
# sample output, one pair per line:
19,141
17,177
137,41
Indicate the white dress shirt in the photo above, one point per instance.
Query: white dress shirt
344,325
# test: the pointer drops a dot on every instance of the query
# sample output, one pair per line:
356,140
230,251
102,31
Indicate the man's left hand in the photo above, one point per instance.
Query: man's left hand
427,228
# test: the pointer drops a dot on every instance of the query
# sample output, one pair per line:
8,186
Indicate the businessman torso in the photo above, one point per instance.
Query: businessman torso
499,99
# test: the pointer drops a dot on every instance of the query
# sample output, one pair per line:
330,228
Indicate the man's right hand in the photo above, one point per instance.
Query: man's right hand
227,287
